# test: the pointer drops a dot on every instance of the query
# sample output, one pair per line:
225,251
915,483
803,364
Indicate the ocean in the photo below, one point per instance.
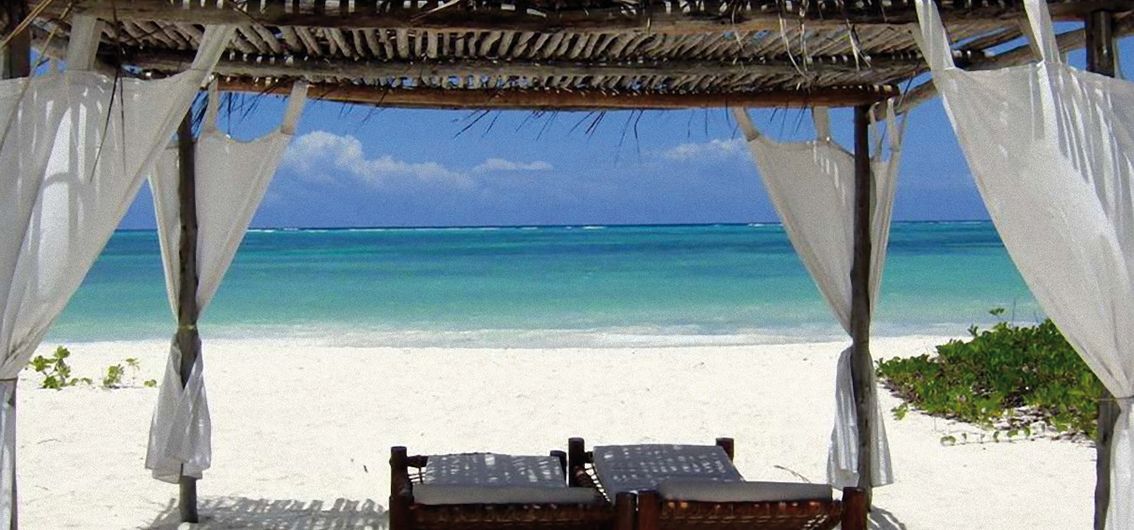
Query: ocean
544,286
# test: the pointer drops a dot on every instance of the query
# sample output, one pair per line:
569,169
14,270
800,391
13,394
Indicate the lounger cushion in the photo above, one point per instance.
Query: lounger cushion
491,469
631,468
714,491
437,494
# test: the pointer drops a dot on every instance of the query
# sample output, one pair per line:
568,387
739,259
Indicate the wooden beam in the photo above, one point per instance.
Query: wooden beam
1102,58
290,67
616,18
188,341
861,364
1067,41
487,99
15,59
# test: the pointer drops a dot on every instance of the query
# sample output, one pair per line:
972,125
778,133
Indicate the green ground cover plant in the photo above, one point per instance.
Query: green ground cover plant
1006,379
57,373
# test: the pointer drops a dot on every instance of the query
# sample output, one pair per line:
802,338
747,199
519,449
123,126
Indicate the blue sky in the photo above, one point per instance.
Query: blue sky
358,166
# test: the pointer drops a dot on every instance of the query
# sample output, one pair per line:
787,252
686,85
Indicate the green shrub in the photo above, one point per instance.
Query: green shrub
1009,375
56,372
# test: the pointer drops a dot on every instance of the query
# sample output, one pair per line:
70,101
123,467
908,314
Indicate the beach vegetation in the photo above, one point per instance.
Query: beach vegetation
1010,379
116,375
57,373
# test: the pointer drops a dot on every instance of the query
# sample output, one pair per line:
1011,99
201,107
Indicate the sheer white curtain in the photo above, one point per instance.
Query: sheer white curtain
231,179
74,148
1052,152
811,184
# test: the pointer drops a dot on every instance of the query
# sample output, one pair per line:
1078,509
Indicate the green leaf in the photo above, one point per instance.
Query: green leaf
1008,374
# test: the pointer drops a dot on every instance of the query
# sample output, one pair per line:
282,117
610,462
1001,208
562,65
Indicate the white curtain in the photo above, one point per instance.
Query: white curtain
1051,150
811,184
73,151
231,179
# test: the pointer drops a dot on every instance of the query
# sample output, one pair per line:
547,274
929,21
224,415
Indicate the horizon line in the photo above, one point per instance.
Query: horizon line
564,225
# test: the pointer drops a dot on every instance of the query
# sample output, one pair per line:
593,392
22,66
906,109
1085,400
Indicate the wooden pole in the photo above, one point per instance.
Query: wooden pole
1102,59
16,56
860,296
187,311
15,62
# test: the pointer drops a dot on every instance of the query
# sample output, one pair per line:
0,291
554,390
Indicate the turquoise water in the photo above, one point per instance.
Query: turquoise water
545,286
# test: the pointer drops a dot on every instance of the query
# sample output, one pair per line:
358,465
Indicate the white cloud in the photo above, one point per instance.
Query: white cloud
500,164
711,150
314,154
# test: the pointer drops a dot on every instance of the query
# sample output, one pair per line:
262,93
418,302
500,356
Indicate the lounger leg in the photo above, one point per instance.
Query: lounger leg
854,509
649,510
400,495
624,511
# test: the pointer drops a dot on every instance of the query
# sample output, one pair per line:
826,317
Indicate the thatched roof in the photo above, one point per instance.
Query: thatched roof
560,53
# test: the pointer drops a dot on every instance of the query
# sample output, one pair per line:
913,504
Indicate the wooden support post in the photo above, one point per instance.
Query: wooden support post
16,57
187,311
15,62
1102,58
860,296
576,460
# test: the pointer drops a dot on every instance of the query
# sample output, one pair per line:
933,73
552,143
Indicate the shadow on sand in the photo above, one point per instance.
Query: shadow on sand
883,520
262,514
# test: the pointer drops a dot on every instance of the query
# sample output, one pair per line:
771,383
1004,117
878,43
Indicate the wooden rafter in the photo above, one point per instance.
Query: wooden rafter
260,66
659,17
569,100
1067,41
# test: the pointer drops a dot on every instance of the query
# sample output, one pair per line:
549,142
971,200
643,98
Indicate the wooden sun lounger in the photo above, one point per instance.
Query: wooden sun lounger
470,513
654,512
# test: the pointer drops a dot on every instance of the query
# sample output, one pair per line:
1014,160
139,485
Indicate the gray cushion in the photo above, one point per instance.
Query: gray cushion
715,491
435,494
631,468
491,469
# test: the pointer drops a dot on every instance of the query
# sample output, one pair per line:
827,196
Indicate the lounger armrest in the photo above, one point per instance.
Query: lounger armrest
445,494
718,491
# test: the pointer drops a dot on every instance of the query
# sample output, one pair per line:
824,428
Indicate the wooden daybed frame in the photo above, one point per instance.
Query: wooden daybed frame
406,514
655,513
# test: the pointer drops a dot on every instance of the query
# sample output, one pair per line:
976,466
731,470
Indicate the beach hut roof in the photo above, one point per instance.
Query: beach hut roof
562,54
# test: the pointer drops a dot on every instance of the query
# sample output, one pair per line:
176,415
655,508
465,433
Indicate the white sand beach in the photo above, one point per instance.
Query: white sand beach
301,432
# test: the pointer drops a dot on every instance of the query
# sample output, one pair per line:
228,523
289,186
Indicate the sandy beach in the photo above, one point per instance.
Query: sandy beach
301,432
